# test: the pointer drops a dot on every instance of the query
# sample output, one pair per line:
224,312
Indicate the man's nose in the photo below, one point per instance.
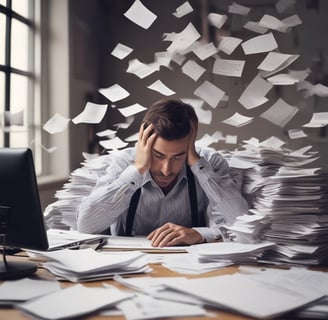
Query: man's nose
166,167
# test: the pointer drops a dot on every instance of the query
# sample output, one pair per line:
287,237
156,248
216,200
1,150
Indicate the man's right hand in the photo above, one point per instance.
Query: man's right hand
144,145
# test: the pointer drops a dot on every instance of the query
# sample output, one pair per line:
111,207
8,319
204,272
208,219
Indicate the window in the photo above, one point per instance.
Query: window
17,77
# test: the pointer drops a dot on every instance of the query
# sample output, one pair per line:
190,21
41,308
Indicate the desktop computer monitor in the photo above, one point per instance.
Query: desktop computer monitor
21,216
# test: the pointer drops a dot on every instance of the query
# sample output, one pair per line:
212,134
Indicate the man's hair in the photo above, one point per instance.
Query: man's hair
171,118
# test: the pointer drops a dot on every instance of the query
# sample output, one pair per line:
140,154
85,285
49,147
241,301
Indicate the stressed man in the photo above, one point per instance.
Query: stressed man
164,188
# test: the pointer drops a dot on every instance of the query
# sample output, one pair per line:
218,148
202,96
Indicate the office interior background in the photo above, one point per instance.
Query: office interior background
56,54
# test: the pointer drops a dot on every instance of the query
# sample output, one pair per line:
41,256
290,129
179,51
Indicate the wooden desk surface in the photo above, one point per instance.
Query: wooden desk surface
158,271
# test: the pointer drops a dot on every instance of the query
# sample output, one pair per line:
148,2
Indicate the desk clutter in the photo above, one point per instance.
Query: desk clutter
252,291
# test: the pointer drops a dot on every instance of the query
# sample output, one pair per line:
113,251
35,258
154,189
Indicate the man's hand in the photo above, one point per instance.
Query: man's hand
144,145
193,156
171,234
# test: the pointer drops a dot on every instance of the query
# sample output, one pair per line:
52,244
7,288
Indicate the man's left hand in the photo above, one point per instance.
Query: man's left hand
171,234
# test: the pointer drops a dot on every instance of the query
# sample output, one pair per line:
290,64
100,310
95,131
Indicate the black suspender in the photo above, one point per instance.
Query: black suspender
196,218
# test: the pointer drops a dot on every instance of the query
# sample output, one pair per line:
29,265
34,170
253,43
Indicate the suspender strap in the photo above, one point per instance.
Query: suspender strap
196,218
132,212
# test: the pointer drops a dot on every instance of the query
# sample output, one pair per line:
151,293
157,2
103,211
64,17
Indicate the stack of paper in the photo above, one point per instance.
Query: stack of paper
288,200
61,214
89,265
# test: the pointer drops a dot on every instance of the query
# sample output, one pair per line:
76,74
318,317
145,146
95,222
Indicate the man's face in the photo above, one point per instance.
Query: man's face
168,158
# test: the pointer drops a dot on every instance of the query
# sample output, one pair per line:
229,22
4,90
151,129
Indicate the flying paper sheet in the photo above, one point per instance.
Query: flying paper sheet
55,124
275,61
193,70
140,69
92,113
229,44
183,10
255,27
217,20
258,44
121,51
238,120
132,110
204,50
254,95
209,93
183,40
319,119
280,113
114,93
107,133
112,144
160,87
140,15
225,67
296,133
273,23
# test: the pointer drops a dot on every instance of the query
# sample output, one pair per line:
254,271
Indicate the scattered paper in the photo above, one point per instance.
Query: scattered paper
204,50
259,44
318,120
238,120
255,27
193,70
209,93
112,144
273,23
140,15
280,113
160,87
92,113
228,44
296,133
121,51
132,110
114,93
232,68
217,20
140,69
183,10
56,124
254,95
275,61
239,9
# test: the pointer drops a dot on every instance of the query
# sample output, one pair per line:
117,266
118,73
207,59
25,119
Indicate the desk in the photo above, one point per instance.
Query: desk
158,271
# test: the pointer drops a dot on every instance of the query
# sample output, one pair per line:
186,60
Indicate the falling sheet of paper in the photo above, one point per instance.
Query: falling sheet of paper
275,61
184,39
273,23
140,69
238,120
114,93
92,113
193,70
132,110
107,133
258,44
239,9
280,113
225,67
255,27
282,79
231,139
204,50
183,10
209,93
254,95
296,133
140,15
318,120
272,142
217,20
160,87
121,51
55,124
229,44
113,144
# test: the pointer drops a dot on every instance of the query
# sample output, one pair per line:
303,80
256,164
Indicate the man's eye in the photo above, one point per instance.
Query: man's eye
177,157
159,156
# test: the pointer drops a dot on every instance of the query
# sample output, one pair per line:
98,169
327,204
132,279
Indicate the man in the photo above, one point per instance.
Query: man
164,188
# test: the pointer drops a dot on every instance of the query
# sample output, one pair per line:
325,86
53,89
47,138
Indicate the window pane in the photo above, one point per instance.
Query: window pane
19,45
2,105
2,38
20,6
19,111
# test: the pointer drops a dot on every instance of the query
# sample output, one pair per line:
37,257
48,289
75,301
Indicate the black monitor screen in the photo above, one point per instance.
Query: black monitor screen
20,197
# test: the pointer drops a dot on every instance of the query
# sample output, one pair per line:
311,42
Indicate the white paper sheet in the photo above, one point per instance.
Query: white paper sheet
225,67
193,70
209,93
238,120
92,113
160,87
121,51
56,123
140,15
114,93
229,44
132,110
259,44
183,10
